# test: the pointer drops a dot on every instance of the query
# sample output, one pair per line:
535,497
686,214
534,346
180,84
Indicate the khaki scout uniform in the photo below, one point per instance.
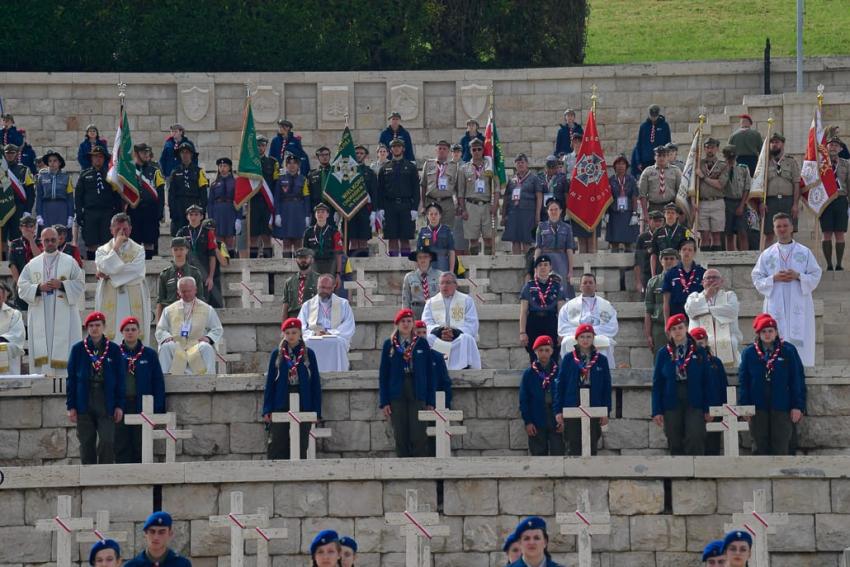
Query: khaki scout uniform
783,176
439,184
712,209
477,189
738,183
650,186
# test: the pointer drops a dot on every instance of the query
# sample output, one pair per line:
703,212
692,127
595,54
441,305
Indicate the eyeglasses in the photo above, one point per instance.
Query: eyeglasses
49,239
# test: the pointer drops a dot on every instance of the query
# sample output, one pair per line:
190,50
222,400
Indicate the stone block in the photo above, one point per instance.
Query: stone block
20,413
831,531
801,496
394,495
702,529
657,438
381,436
470,497
42,443
485,533
374,535
208,541
804,560
527,496
349,436
335,405
465,401
462,560
199,502
125,504
797,535
637,404
207,440
29,546
9,443
53,412
355,499
12,508
732,493
191,409
484,434
631,497
518,435
627,434
567,490
255,495
694,497
299,499
363,406
663,559
41,503
240,338
364,338
311,526
498,404
840,490
247,438
657,533
236,408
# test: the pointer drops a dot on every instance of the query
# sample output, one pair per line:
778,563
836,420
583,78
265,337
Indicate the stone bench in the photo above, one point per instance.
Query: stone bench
223,413
663,509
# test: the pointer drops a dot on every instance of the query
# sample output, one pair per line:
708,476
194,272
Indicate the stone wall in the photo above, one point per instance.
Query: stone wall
224,412
55,108
663,510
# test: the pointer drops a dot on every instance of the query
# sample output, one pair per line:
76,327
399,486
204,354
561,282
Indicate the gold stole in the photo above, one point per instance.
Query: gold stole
109,295
313,317
719,334
457,311
61,317
187,349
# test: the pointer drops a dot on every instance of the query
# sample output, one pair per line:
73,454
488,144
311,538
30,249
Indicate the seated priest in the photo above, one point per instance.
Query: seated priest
13,336
328,324
588,308
186,333
452,321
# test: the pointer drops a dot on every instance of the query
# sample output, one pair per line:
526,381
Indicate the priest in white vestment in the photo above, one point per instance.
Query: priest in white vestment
786,274
328,324
591,309
122,290
54,287
186,333
12,334
716,310
452,321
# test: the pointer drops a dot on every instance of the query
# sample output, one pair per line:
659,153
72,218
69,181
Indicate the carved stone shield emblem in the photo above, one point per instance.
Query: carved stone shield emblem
195,102
404,99
334,103
266,104
473,100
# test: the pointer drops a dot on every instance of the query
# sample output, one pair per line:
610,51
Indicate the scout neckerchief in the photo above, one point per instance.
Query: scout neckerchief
406,353
478,169
681,362
687,283
543,296
193,238
292,363
131,359
545,377
713,165
585,365
441,169
518,181
178,271
320,237
769,362
661,185
283,148
96,360
302,280
426,289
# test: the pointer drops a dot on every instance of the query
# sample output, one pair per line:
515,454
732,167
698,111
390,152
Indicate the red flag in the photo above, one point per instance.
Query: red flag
817,180
590,193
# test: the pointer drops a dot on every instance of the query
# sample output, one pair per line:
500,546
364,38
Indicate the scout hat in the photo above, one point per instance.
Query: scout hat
303,252
530,523
698,333
660,150
763,321
55,154
414,256
291,323
671,147
542,258
397,142
712,142
93,317
443,143
284,122
584,328
128,321
185,146
321,206
179,241
457,147
667,252
671,207
541,341
509,541
674,320
551,161
262,139
394,115
10,148
98,149
225,160
143,147
747,117
476,142
656,215
777,136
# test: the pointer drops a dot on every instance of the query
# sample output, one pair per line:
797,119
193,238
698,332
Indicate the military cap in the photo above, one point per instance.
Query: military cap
27,220
729,151
671,207
551,161
444,143
660,150
161,519
10,148
777,136
834,140
98,149
397,142
322,206
303,253
457,147
57,155
101,545
226,160
669,252
671,147
324,537
7,116
509,541
349,542
476,142
143,147
185,146
656,215
737,535
654,110
323,149
284,122
177,126
530,523
542,258
713,549
289,156
361,147
569,111
712,142
194,207
262,139
179,241
394,115
520,157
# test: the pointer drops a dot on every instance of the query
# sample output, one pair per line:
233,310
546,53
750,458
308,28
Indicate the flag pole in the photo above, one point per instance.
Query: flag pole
697,182
764,189
492,116
248,203
818,249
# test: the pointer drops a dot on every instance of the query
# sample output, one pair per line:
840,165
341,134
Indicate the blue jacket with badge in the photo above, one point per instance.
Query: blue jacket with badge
388,135
79,371
149,378
276,394
277,150
568,385
169,160
391,374
787,380
171,560
717,382
442,380
532,399
664,379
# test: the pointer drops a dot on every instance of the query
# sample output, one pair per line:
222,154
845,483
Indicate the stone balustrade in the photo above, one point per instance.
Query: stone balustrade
224,413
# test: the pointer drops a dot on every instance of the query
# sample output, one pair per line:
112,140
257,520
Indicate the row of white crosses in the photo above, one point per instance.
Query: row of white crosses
247,527
149,422
295,418
66,527
477,287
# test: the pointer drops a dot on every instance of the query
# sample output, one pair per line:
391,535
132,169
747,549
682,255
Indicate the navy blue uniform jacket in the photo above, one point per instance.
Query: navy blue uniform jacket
391,374
276,395
149,379
388,135
171,560
532,400
664,396
79,370
787,381
569,380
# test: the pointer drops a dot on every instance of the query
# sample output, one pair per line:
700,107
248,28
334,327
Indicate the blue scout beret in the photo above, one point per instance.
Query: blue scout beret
530,523
348,542
159,520
713,549
324,537
737,535
509,541
101,545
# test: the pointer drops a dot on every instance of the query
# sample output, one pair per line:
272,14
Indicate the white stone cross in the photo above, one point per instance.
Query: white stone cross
294,418
253,295
149,420
583,523
845,558
730,426
756,520
477,286
101,531
316,433
585,413
443,430
247,526
414,525
64,526
363,286
222,357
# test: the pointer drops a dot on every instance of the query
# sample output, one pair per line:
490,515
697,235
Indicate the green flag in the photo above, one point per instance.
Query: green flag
122,174
249,169
345,186
493,150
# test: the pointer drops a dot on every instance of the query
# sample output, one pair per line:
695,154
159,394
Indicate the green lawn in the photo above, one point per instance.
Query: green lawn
632,31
